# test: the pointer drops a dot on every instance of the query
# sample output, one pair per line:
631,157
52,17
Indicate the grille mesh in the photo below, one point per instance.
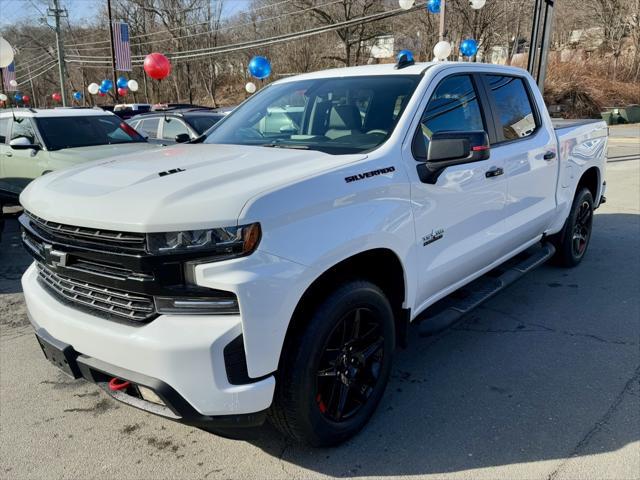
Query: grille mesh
135,307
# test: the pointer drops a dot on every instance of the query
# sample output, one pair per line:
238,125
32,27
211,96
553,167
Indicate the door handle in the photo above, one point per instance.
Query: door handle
549,156
494,172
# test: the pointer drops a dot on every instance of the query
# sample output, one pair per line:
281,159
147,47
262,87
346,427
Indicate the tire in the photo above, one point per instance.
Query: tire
317,367
573,240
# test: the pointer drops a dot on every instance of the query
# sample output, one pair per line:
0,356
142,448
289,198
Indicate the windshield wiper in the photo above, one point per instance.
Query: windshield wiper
285,145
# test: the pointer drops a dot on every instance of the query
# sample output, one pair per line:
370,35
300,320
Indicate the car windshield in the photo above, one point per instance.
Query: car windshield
203,123
85,131
335,115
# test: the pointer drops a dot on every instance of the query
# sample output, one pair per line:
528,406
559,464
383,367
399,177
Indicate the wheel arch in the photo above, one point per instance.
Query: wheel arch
381,266
590,180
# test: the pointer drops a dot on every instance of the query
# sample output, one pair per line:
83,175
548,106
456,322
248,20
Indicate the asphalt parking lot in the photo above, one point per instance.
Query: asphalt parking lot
542,382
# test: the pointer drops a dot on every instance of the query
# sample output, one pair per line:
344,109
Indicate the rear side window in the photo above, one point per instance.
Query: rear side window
4,129
452,107
513,107
149,127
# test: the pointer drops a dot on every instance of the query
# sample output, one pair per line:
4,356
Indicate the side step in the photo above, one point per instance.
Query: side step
449,310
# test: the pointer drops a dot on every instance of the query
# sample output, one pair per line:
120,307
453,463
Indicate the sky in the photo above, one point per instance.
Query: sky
79,10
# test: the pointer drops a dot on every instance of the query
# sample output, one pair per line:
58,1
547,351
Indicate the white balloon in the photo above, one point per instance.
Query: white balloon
3,97
250,87
477,4
6,53
406,4
133,85
13,83
93,88
442,50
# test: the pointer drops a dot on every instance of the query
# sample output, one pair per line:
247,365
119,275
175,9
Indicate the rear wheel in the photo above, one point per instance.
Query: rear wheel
572,242
334,371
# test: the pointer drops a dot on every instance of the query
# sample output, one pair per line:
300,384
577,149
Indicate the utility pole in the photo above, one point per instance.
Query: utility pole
442,9
58,13
113,54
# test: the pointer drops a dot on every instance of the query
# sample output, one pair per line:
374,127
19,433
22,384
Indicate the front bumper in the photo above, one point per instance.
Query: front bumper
184,353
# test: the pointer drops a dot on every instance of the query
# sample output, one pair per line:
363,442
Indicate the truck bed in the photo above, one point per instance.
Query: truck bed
560,123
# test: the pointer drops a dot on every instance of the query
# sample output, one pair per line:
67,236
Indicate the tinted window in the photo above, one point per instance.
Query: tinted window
22,127
4,127
452,107
335,115
149,127
71,132
204,123
513,106
172,127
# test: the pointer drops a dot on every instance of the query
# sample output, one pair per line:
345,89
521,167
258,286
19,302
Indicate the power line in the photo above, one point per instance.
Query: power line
36,75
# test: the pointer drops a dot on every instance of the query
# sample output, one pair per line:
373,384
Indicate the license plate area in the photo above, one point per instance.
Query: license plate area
60,354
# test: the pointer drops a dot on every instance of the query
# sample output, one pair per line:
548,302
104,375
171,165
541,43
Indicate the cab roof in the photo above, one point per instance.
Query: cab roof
55,112
364,70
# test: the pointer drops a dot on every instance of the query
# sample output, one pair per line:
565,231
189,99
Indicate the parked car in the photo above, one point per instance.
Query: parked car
37,141
176,125
128,110
268,273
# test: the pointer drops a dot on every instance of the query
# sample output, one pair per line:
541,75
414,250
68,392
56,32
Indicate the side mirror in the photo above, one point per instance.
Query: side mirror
182,138
23,143
446,149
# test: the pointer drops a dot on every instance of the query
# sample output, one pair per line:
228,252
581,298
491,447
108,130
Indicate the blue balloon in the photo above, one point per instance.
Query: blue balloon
106,85
17,97
77,95
122,82
260,67
433,6
408,56
469,47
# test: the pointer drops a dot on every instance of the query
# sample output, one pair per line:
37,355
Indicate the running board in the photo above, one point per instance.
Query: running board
449,310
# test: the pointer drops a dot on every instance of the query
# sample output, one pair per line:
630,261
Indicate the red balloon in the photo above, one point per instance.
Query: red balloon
157,66
101,93
26,98
122,91
56,96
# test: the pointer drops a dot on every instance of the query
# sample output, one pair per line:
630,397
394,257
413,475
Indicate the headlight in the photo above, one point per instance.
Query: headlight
216,305
223,242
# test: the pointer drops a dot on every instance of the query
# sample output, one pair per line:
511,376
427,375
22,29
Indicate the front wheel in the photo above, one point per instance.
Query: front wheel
334,370
572,242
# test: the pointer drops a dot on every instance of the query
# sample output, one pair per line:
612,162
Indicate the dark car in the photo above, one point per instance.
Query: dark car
175,125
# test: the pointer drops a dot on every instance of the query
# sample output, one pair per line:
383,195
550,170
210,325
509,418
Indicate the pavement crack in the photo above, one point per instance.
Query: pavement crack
599,424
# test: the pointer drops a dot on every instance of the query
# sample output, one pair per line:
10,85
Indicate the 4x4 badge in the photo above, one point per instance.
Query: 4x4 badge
433,236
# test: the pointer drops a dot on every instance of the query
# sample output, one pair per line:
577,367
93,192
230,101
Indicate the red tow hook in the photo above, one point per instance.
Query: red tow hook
116,384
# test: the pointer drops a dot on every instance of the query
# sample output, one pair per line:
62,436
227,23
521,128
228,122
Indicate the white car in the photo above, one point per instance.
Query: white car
272,273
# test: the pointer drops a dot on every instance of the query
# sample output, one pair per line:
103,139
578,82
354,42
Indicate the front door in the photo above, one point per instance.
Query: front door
21,166
460,218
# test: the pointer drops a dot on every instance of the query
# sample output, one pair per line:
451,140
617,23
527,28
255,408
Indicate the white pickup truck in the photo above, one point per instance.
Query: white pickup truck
271,272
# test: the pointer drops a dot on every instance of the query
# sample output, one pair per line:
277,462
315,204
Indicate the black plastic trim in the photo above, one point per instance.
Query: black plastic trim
235,362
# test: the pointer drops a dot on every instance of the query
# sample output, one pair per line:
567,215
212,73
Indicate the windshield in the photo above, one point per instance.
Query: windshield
203,123
334,115
85,131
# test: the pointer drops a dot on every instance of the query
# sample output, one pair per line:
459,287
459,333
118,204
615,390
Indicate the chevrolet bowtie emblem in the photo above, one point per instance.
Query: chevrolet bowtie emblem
55,258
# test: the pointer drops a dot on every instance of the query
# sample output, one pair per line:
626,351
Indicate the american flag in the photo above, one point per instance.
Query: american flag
8,74
121,46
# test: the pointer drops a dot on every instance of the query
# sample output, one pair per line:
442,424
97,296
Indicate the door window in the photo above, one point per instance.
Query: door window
149,127
453,107
173,128
22,127
4,129
514,111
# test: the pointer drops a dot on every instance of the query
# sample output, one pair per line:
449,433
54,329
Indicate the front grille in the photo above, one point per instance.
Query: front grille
110,302
106,239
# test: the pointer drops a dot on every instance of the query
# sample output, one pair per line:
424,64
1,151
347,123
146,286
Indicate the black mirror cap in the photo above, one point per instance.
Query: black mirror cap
34,146
182,138
459,147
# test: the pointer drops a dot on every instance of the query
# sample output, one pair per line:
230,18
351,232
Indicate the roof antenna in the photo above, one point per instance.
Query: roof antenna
404,59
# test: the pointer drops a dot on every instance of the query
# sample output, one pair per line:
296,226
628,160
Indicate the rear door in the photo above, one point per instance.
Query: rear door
526,145
460,218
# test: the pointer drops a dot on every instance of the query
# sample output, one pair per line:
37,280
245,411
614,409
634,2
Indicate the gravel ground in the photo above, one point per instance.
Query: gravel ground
542,382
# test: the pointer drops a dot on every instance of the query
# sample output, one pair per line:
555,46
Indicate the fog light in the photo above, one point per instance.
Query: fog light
149,395
197,305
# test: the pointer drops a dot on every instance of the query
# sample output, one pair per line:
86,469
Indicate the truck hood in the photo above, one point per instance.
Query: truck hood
96,152
186,187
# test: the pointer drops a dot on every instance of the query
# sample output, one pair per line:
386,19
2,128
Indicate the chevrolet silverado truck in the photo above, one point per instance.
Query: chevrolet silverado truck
262,273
